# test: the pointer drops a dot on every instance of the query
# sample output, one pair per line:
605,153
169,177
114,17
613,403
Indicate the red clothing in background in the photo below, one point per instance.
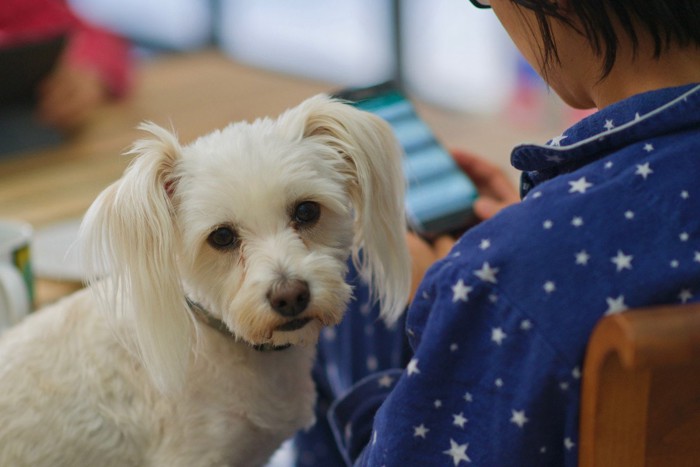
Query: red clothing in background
26,21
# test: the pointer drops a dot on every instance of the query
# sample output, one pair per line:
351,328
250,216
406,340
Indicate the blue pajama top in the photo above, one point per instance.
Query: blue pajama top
485,369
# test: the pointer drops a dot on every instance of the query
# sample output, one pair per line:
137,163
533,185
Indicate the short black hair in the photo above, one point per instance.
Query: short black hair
667,22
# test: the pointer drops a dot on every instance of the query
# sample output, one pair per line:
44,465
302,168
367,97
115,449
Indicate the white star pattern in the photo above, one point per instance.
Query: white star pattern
629,215
437,404
459,420
485,243
568,444
582,258
556,141
576,373
608,165
526,325
454,347
487,273
609,125
519,418
615,305
684,236
420,431
577,221
365,309
549,287
385,381
412,367
685,295
648,147
458,452
685,194
579,186
468,397
675,263
697,257
460,292
644,170
548,224
622,261
372,363
497,335
498,382
329,334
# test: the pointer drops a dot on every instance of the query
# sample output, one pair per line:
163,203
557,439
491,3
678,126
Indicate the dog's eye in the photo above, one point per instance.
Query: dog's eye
307,213
223,238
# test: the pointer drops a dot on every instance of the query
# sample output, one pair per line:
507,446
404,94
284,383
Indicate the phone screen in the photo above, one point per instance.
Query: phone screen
439,196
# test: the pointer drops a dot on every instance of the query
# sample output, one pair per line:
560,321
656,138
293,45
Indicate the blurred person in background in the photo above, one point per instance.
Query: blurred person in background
486,367
94,66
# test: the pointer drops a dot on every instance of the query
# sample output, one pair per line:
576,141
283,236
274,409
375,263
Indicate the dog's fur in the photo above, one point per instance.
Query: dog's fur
126,374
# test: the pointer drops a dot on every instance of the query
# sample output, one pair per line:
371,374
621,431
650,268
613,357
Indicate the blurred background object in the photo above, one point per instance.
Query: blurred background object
456,56
350,43
174,25
56,70
443,51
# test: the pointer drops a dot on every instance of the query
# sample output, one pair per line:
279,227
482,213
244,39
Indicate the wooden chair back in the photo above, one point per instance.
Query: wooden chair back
640,402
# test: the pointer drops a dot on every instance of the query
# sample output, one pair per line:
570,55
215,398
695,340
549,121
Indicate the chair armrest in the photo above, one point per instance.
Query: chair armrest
646,338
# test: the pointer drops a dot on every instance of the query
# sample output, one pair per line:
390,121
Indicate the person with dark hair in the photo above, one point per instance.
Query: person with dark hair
608,222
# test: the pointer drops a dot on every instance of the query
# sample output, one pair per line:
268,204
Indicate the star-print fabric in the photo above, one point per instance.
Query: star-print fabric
610,220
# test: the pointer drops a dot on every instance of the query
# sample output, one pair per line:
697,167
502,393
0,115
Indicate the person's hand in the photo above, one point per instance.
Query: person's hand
68,96
495,193
495,189
424,254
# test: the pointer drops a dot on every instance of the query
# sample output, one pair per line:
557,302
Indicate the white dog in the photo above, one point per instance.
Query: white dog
226,257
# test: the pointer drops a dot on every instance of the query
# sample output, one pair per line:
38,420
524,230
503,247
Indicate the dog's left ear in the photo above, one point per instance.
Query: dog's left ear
372,158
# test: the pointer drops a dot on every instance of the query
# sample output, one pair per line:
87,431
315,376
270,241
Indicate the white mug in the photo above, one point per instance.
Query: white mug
16,279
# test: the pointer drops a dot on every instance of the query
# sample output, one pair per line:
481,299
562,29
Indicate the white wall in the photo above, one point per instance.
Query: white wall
457,56
347,42
454,55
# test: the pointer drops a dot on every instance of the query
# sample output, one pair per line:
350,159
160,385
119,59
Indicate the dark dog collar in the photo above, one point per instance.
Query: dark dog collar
215,323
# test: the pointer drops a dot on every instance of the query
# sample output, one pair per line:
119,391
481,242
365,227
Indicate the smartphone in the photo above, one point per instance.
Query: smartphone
439,195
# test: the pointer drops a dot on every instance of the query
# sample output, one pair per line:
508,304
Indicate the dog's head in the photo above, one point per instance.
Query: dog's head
255,223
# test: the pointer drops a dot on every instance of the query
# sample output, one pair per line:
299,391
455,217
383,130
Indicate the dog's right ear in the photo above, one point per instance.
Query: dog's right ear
129,233
372,162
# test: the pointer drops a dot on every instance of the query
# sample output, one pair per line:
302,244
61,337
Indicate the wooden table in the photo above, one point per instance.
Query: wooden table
194,93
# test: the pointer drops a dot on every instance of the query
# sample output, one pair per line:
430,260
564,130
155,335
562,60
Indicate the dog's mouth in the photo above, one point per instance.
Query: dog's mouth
293,325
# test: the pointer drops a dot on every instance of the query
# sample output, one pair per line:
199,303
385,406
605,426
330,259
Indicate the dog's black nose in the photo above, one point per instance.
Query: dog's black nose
289,298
